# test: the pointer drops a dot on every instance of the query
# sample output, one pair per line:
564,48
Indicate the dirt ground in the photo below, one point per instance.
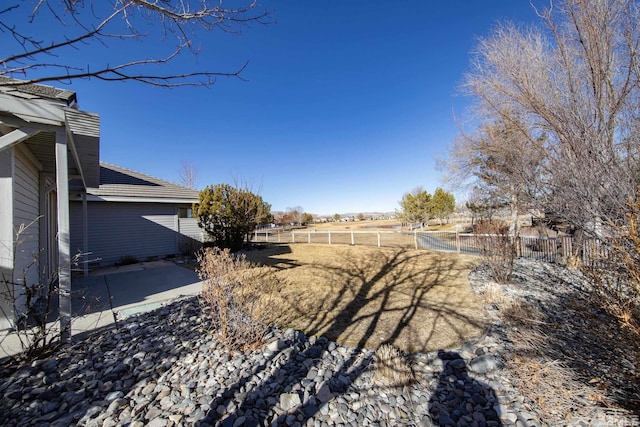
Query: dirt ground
416,300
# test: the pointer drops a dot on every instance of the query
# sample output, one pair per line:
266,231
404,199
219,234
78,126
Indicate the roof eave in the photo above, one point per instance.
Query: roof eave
123,199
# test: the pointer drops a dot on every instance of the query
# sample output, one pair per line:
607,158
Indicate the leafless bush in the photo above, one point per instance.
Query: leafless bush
492,294
33,319
392,367
548,382
29,301
498,248
553,387
573,262
516,310
235,296
190,245
616,273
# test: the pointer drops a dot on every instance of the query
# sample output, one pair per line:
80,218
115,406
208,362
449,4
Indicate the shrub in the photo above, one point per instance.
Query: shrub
392,367
127,260
234,295
29,303
190,245
34,325
616,272
498,248
229,214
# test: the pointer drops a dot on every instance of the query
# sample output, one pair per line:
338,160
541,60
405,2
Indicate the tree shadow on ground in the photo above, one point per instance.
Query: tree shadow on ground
457,394
364,291
145,349
271,256
410,299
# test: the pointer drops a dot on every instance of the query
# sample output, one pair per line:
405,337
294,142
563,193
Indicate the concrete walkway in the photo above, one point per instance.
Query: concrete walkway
113,293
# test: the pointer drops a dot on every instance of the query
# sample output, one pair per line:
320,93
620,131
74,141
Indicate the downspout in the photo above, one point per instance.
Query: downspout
85,235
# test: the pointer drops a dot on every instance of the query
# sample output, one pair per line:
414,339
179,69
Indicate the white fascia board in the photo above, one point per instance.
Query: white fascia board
93,198
74,152
32,110
38,120
15,137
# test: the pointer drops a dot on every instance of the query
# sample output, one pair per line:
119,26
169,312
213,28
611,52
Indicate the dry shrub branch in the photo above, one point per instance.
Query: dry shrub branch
548,381
568,356
498,248
616,273
235,295
392,367
28,299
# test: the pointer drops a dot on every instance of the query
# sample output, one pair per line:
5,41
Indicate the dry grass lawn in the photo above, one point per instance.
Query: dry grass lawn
363,296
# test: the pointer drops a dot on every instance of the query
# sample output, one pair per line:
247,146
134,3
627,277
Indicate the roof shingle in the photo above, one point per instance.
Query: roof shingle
116,181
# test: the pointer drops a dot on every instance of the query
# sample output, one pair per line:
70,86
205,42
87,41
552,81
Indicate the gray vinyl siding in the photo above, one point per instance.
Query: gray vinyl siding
83,123
116,230
26,210
189,227
190,236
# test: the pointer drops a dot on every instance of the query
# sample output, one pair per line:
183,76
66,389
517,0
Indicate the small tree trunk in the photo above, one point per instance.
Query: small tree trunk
514,222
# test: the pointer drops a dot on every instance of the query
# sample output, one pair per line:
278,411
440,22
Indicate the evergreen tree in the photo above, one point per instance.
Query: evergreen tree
416,205
442,204
229,214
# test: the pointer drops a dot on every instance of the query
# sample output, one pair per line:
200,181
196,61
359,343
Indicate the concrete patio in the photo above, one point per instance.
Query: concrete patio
110,294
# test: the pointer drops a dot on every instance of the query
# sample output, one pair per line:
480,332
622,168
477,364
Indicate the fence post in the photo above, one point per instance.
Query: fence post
415,238
457,241
309,237
353,242
266,236
567,246
378,239
278,236
293,237
329,237
256,235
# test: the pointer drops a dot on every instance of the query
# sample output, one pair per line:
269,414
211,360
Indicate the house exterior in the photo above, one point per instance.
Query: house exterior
48,146
58,200
132,216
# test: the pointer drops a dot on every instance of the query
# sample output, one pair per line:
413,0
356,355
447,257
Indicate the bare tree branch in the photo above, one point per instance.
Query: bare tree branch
188,175
574,81
82,27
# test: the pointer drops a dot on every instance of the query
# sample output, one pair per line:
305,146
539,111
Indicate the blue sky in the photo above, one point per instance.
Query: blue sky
346,107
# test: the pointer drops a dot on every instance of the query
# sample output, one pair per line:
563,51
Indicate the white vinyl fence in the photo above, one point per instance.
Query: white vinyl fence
549,249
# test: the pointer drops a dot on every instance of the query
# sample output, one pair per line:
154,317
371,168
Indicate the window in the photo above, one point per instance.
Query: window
185,213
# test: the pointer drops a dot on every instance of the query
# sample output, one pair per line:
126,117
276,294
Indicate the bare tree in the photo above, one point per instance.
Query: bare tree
480,205
295,213
35,55
504,164
188,175
575,82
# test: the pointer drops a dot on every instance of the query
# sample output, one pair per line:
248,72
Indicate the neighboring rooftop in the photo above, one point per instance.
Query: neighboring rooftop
116,181
32,90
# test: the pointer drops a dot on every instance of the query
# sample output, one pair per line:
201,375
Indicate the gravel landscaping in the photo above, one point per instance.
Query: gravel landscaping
165,368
